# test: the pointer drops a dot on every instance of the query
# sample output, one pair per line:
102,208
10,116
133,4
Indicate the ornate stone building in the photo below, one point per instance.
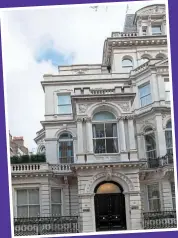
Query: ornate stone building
107,136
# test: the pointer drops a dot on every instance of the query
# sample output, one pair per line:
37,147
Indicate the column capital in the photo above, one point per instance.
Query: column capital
79,119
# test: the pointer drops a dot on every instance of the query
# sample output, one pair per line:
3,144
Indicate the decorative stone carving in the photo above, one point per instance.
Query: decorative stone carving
124,106
108,174
65,180
83,108
88,187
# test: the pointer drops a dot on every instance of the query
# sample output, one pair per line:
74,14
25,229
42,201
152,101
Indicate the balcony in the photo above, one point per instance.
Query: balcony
124,34
153,163
45,225
40,168
160,220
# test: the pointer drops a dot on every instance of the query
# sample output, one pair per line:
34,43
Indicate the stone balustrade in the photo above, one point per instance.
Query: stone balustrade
124,34
41,167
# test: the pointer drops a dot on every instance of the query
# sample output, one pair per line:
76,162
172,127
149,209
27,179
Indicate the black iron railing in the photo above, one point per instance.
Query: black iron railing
45,225
151,163
159,220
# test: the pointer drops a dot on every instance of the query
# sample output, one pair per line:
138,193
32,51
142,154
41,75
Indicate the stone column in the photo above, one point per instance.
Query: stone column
80,140
161,88
45,199
121,134
89,135
131,134
135,211
154,88
132,141
87,217
141,146
160,136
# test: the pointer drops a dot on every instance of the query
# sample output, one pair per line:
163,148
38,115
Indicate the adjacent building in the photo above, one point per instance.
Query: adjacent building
107,136
17,147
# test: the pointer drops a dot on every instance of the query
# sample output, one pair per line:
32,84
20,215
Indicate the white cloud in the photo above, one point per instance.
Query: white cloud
77,30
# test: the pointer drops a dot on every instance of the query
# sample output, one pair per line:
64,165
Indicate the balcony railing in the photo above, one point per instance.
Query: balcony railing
42,167
102,91
45,225
160,220
124,34
152,163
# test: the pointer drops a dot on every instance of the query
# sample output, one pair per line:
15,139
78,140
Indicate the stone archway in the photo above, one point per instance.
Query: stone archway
109,202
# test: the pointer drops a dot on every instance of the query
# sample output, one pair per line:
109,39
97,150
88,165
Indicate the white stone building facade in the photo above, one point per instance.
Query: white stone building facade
107,135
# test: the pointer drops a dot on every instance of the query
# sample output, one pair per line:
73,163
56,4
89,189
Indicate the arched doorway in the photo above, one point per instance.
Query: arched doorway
109,207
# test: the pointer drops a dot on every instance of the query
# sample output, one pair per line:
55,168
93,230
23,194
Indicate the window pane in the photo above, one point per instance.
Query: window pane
98,131
156,204
65,109
34,211
64,99
127,63
103,116
65,136
65,150
153,191
168,139
56,210
145,90
109,130
156,29
111,146
22,211
99,146
21,197
56,195
33,196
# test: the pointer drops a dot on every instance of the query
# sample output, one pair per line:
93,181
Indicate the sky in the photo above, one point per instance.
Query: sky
36,40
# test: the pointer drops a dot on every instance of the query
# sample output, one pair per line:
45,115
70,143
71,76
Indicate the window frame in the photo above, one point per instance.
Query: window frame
66,140
61,203
63,105
19,188
104,122
166,138
127,66
151,199
173,195
149,94
156,33
151,132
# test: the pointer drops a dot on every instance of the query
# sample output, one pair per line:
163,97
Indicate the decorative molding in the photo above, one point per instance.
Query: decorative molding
82,108
88,187
108,172
125,106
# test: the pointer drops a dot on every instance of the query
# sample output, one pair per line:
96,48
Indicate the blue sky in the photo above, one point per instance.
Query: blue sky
49,53
36,40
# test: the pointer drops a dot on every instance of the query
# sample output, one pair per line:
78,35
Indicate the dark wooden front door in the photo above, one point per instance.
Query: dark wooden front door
110,212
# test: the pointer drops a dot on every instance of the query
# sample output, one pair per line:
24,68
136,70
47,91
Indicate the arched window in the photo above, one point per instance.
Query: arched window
168,135
150,144
127,63
66,148
105,139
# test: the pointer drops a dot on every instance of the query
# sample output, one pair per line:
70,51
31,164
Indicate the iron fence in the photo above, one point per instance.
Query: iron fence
45,225
160,220
159,161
